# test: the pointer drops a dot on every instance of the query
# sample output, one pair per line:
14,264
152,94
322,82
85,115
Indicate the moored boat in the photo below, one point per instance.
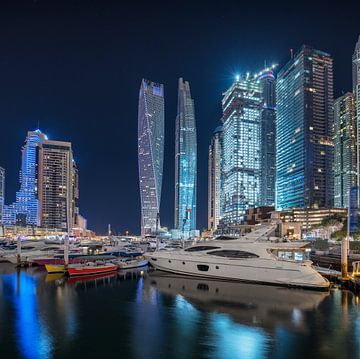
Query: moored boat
132,263
90,268
51,268
246,259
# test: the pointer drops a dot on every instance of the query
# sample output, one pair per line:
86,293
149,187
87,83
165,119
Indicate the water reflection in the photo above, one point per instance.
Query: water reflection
32,333
158,315
244,303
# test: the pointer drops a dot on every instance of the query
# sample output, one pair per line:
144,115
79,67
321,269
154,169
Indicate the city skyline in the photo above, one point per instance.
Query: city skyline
86,91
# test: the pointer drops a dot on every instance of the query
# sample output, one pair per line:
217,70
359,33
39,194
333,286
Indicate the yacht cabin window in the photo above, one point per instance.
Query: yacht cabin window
229,253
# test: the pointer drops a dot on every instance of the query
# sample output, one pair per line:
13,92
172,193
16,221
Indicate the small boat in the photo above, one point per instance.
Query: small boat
90,268
132,263
53,268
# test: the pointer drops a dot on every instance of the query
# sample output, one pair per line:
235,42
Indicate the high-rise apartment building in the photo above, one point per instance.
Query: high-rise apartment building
242,106
215,179
150,152
56,186
185,160
345,161
2,193
304,131
267,83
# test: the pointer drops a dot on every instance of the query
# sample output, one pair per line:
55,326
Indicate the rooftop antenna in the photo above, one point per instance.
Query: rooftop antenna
291,53
265,64
38,126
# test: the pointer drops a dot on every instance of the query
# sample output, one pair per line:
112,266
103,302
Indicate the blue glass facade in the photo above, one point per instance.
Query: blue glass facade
26,208
304,131
345,162
242,105
2,193
150,152
267,83
185,160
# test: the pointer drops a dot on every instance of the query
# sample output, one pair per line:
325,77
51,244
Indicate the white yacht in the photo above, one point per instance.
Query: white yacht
250,258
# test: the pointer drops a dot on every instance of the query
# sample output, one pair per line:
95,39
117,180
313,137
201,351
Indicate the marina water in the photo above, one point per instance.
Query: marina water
143,314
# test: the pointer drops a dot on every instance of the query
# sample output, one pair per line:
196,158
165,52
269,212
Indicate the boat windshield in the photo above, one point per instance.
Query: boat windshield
201,248
229,253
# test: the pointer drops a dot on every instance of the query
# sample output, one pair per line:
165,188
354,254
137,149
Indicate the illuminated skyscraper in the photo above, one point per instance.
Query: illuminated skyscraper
215,179
56,185
345,164
27,202
304,131
150,152
242,106
356,91
185,160
2,192
267,82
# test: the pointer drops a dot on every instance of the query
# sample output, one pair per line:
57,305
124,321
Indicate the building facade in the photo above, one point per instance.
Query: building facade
185,160
304,131
345,150
215,179
150,152
27,201
2,193
56,187
242,106
356,91
267,82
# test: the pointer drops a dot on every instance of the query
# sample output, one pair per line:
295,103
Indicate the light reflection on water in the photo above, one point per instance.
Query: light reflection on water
32,334
162,316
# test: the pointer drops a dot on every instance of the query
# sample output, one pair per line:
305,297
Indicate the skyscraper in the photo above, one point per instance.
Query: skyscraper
242,105
304,131
345,162
356,91
267,82
2,193
56,185
150,152
185,160
215,179
27,202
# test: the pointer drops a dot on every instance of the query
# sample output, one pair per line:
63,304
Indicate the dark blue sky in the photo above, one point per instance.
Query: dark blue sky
76,68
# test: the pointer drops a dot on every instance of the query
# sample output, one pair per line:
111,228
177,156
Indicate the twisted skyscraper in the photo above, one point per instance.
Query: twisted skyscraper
150,152
185,160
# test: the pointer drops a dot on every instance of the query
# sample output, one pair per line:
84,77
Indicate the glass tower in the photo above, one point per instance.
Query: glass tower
242,105
150,152
267,82
27,202
345,164
356,91
215,179
2,193
185,160
304,131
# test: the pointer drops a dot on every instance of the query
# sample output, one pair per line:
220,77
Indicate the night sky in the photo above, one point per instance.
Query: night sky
75,67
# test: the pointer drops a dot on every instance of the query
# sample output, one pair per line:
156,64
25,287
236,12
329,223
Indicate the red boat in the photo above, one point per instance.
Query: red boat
90,268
